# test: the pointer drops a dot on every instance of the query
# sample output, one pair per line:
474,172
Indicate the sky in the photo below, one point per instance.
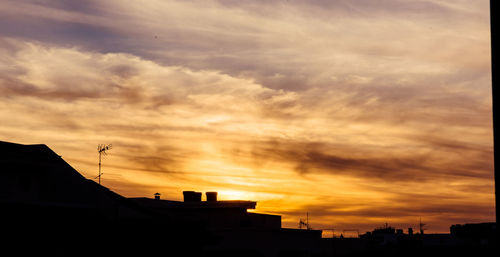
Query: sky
357,112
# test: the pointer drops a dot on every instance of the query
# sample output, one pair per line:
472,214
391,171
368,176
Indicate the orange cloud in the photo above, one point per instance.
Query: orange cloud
357,113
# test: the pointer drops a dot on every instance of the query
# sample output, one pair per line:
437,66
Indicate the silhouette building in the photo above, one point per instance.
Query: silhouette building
43,197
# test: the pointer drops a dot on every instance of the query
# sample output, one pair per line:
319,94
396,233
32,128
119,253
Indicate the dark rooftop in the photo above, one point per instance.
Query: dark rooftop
240,204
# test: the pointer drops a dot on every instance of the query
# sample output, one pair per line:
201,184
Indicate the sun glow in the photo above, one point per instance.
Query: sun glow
235,195
354,117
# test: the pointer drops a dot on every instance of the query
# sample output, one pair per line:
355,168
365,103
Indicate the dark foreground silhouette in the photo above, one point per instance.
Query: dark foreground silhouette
48,209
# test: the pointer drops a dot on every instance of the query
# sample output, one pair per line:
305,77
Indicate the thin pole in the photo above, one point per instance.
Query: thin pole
307,220
99,167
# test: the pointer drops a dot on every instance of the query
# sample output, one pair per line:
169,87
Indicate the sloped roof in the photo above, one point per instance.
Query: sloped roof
32,158
63,185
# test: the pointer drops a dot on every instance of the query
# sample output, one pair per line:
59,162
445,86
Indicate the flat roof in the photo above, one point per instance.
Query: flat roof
240,204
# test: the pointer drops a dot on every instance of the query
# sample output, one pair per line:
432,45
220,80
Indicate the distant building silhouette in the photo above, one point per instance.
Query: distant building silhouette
475,233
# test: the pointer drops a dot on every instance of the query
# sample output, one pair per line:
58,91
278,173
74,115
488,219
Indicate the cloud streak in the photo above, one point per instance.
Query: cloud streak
387,103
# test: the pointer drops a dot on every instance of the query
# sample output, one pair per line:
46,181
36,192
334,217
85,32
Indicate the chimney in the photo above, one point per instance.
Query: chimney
157,196
197,197
410,231
211,196
191,196
188,196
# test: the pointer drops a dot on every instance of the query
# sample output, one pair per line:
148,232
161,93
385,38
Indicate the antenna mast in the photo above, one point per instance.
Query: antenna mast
101,149
421,226
305,223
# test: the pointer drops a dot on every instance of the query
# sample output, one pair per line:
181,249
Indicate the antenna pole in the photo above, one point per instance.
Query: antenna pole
421,226
305,223
101,149
307,220
99,167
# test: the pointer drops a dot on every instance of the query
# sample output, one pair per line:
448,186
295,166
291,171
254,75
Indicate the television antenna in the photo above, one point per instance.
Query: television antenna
101,149
305,223
421,226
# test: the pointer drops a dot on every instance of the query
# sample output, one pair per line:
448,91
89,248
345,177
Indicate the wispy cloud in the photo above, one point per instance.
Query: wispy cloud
385,102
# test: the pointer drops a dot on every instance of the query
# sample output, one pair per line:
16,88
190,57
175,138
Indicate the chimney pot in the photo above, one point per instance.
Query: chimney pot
211,196
192,196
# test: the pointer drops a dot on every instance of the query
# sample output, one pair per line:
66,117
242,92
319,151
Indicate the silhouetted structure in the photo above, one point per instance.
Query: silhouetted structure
235,230
475,234
464,240
211,196
213,214
47,204
48,208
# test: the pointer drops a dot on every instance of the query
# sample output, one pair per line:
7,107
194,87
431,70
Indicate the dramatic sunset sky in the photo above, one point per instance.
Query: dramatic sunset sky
359,112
